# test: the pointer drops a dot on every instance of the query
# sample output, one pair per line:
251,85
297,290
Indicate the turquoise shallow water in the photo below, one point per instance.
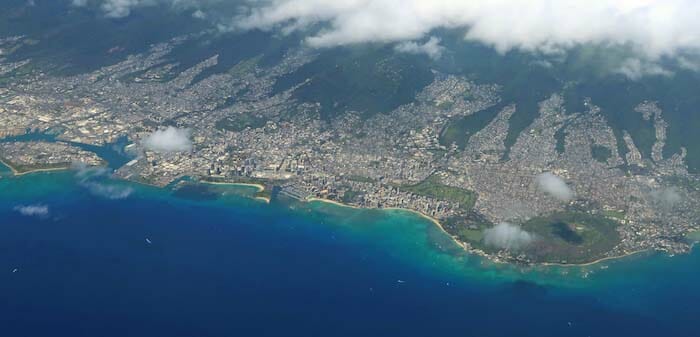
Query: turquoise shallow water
219,264
4,169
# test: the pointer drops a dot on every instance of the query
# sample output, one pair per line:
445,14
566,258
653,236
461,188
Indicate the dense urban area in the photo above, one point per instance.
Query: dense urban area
234,127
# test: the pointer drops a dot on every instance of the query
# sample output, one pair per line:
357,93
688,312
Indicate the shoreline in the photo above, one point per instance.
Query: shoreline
434,221
478,252
14,171
263,199
259,187
18,173
332,202
594,262
42,170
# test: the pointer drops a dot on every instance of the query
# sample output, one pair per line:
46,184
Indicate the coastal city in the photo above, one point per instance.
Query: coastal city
35,156
234,127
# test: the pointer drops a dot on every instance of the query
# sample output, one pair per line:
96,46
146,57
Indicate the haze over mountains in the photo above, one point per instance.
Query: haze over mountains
651,28
648,48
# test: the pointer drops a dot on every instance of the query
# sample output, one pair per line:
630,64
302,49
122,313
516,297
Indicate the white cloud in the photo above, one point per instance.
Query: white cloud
37,210
654,27
635,69
649,29
92,179
171,139
198,14
666,197
111,192
123,8
432,48
688,63
507,236
554,186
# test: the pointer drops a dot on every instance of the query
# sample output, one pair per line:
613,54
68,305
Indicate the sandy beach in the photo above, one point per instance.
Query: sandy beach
332,202
261,188
436,222
476,251
258,186
420,214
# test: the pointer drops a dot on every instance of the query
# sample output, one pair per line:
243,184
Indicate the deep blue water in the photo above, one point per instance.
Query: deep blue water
237,267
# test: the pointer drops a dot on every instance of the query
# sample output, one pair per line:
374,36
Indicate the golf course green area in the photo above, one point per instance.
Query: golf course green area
432,187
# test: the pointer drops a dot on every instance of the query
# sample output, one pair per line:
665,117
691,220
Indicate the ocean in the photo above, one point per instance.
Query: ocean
109,258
